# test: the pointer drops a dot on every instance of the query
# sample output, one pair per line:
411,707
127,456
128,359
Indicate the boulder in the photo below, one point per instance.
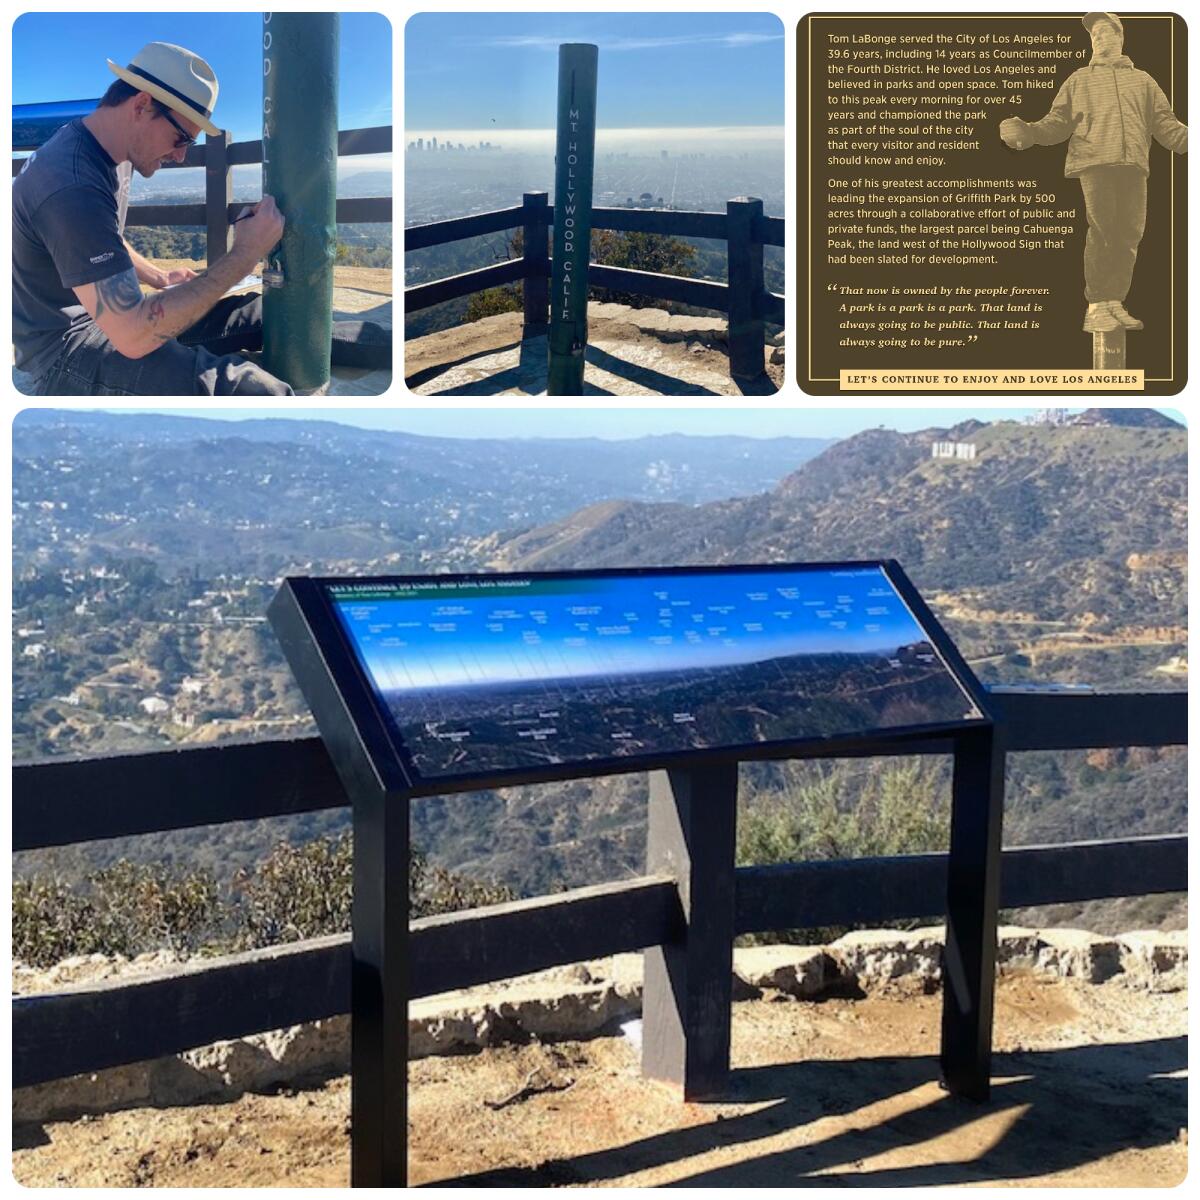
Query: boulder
548,1011
571,1002
801,971
604,310
876,959
1155,959
1017,948
101,1091
1078,954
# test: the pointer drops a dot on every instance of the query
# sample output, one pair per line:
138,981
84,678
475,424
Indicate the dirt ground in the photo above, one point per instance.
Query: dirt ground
1089,1090
630,352
369,279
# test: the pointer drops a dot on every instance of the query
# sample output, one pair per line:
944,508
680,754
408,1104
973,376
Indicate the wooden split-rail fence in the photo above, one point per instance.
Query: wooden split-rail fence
107,1024
744,299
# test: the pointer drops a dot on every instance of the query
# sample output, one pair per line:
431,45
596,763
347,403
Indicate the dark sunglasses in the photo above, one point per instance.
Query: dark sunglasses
185,138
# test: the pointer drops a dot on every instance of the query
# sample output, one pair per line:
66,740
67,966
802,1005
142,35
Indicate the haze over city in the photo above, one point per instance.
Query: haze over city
684,119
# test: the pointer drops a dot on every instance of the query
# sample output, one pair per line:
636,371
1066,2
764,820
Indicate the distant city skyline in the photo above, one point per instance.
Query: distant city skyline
247,178
482,70
655,140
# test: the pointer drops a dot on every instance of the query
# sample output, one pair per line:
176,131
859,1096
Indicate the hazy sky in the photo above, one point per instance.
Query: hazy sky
60,56
476,71
624,422
624,626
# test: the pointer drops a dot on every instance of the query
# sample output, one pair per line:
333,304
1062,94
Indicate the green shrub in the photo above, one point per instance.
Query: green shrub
493,301
305,891
434,890
124,909
641,252
296,892
899,809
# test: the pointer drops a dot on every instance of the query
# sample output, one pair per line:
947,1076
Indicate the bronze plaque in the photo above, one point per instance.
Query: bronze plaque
992,203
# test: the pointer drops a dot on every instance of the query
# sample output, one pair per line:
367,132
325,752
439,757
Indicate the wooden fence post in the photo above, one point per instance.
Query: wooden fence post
535,287
218,193
687,990
745,287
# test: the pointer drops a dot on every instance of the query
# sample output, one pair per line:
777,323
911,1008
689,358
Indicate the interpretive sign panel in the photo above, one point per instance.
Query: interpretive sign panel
431,684
491,675
993,202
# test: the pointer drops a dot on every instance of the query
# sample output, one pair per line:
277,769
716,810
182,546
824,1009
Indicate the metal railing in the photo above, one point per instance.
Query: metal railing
95,1026
219,155
744,298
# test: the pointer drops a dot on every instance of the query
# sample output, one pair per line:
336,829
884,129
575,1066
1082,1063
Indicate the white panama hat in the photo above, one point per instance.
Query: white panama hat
183,81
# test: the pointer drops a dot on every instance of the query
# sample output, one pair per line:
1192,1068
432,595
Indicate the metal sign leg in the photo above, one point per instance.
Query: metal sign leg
379,995
973,899
687,992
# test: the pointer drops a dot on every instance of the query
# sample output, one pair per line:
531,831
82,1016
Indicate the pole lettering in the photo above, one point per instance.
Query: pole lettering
574,160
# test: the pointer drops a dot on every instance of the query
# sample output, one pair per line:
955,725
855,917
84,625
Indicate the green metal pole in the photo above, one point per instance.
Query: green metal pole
300,141
574,159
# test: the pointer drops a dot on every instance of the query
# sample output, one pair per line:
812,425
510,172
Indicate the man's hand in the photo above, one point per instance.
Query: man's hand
1015,133
164,279
259,233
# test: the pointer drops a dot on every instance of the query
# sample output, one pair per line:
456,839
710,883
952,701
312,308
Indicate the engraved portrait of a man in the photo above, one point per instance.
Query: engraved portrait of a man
1109,110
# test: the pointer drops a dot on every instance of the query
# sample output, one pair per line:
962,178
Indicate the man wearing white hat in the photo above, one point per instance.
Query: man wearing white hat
81,324
1110,111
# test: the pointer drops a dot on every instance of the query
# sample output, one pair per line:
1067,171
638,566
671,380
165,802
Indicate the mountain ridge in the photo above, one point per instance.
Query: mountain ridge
1034,508
270,495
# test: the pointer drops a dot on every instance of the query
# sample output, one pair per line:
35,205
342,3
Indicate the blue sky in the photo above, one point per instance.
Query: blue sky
61,56
657,70
624,626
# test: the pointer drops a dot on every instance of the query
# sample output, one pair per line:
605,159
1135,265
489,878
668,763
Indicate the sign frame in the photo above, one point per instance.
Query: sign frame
343,692
692,823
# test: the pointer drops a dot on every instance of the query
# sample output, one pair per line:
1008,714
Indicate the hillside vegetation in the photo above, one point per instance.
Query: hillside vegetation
360,245
1057,553
1078,523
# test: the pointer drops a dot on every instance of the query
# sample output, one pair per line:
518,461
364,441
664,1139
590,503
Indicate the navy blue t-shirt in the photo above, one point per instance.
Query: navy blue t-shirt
67,221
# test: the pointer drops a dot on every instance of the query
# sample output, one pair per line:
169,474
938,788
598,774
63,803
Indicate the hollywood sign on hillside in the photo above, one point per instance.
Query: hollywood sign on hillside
962,450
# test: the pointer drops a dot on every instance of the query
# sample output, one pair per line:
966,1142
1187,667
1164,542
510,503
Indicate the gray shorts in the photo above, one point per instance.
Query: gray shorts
199,362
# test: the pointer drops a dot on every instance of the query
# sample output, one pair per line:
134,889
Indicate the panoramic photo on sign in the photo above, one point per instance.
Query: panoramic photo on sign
505,673
993,202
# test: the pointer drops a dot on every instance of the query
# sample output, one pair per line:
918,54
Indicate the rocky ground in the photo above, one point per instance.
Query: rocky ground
631,352
1089,1089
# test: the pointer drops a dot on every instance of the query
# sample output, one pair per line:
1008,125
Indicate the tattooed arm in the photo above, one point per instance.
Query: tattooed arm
137,325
